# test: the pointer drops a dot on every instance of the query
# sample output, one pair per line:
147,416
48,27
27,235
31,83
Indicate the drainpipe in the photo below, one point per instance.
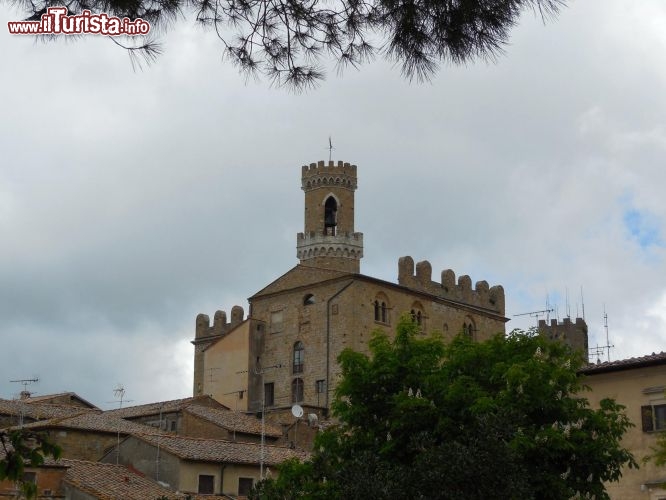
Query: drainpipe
328,336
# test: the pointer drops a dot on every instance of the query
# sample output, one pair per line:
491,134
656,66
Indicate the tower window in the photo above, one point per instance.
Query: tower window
330,216
468,330
298,357
269,394
308,300
418,316
381,308
297,390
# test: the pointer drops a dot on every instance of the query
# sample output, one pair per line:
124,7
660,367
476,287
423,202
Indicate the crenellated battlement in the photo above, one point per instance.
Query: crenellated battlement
572,333
419,277
220,324
324,174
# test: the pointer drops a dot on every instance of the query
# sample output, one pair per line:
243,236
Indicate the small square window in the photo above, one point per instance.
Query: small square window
308,300
320,386
653,417
206,484
245,486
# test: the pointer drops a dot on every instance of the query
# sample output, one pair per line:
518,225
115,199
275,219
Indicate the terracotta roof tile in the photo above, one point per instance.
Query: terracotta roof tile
49,397
93,421
626,364
113,482
155,408
233,420
40,411
221,451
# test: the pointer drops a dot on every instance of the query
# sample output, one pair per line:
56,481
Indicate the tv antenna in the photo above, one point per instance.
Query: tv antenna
608,344
23,395
119,394
25,382
535,314
599,351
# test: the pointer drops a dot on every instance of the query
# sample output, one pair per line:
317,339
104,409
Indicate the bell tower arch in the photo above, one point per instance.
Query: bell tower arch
328,239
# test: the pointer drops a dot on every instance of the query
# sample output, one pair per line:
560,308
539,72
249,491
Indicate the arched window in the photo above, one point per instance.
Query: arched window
469,328
298,357
417,317
330,216
297,390
309,299
381,305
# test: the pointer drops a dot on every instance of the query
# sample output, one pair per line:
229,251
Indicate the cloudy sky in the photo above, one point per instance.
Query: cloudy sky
131,201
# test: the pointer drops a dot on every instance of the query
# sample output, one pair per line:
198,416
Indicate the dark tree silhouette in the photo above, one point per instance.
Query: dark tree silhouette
286,40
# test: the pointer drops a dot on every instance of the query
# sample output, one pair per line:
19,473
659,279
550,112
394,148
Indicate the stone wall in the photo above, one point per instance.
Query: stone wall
83,445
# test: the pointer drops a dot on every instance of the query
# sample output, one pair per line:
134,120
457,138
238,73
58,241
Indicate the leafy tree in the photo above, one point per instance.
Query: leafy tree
21,448
286,39
505,418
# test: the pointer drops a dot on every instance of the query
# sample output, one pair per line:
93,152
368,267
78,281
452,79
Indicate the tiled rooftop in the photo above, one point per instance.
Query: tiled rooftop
113,482
234,421
93,421
160,406
39,411
53,398
220,451
625,364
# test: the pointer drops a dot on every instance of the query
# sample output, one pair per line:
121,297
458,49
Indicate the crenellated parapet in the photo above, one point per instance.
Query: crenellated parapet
419,277
323,174
343,245
220,326
572,333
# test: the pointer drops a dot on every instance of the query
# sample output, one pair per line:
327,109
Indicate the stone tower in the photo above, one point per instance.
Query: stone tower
571,333
328,240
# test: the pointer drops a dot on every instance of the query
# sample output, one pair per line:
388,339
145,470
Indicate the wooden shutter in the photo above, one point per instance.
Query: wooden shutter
646,418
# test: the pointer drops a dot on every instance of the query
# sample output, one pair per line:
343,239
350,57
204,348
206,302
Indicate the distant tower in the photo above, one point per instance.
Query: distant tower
571,333
329,240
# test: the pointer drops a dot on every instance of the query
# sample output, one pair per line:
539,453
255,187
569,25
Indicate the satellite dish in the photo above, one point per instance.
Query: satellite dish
312,418
297,411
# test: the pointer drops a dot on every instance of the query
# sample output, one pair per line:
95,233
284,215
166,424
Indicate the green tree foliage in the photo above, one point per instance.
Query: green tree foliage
21,448
505,418
285,40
